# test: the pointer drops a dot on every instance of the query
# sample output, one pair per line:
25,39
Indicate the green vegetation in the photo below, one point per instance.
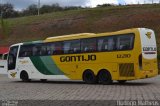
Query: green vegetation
9,11
100,19
5,28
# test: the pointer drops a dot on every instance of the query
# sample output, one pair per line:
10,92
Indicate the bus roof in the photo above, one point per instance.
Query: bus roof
68,36
81,35
88,35
27,43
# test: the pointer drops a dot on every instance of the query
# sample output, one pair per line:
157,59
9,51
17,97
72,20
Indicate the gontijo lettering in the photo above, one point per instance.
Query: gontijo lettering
78,58
149,48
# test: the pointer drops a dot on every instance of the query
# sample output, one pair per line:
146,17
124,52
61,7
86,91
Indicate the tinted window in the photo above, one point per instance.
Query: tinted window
54,48
26,51
51,48
119,42
12,57
71,46
125,42
88,45
58,48
107,44
39,49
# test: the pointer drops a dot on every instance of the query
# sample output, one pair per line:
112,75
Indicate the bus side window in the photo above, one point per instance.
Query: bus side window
37,50
67,47
88,45
43,50
50,49
111,44
75,46
34,50
103,44
26,51
58,48
72,46
125,42
22,51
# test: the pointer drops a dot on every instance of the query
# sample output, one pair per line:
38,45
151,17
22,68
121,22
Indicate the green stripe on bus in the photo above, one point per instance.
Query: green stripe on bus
51,66
46,65
40,66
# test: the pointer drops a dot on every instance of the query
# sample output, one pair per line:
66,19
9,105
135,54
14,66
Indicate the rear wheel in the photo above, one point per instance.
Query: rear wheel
104,77
24,76
89,77
121,81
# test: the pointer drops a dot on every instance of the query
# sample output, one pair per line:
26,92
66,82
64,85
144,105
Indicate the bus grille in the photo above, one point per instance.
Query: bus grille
126,69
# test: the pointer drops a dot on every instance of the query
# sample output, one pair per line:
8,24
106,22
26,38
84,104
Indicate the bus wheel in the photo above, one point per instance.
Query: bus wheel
89,77
24,76
121,81
104,77
43,80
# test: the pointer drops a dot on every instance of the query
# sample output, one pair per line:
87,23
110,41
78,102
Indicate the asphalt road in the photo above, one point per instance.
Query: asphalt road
63,92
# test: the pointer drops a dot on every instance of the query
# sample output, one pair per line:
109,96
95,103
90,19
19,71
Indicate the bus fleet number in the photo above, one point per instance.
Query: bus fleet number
123,55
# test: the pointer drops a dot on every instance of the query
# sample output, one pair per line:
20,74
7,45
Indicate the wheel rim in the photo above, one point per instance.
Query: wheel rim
104,77
89,77
24,77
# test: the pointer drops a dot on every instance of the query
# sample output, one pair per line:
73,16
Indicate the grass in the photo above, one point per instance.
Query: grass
96,12
102,19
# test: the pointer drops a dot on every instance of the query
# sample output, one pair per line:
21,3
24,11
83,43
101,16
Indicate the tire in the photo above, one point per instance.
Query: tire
43,80
24,76
104,77
121,81
89,77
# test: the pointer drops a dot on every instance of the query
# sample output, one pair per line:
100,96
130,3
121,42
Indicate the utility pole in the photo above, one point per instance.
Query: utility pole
39,7
1,10
1,18
1,13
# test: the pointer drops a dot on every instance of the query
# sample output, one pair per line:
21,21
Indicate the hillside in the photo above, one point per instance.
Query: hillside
83,20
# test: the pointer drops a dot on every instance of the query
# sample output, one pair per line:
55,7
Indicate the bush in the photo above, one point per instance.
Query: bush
5,28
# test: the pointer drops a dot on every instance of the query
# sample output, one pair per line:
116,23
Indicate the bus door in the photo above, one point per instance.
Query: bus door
12,57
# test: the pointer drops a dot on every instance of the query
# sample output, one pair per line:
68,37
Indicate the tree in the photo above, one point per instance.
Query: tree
105,5
8,10
45,9
31,10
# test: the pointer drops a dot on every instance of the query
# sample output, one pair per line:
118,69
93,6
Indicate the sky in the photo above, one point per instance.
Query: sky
22,4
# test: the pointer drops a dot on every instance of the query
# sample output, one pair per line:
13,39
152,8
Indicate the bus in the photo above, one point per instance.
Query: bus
3,63
94,58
